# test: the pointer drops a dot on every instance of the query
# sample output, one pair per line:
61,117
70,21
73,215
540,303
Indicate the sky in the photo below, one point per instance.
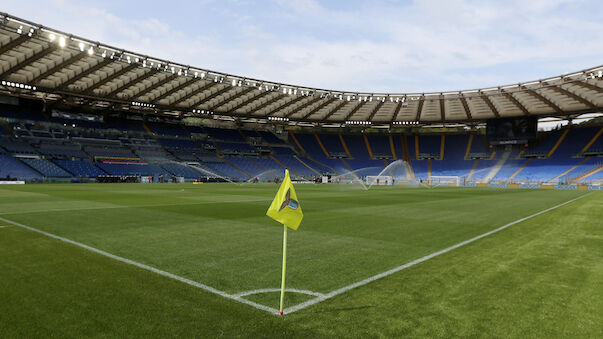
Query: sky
351,45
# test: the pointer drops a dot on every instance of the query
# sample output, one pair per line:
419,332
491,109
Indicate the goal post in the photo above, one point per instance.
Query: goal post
445,180
379,180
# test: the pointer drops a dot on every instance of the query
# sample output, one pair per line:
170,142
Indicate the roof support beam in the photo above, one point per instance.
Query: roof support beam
127,84
353,111
334,110
85,73
58,67
268,103
375,110
35,57
187,82
317,108
420,108
199,90
303,106
442,108
247,102
397,111
154,86
515,102
588,85
465,106
209,97
111,77
233,97
285,105
567,93
543,99
491,105
13,43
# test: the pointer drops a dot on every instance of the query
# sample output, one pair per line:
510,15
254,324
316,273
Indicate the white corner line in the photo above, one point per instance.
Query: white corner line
268,290
344,289
320,297
148,268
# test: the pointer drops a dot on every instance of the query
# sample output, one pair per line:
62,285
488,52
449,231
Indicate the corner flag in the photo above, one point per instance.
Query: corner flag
285,209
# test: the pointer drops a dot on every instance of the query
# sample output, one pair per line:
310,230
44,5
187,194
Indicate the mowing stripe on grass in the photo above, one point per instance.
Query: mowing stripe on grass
319,298
148,268
417,261
134,206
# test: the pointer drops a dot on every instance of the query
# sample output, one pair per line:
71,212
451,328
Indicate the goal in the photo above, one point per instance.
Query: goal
445,180
379,180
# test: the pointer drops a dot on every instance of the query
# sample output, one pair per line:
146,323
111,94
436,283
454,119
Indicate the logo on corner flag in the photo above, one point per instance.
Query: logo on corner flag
285,207
291,203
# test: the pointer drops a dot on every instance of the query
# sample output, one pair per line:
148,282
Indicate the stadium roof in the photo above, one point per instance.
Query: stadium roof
38,61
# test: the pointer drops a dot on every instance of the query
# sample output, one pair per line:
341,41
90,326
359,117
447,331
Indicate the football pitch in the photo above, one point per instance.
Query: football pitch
162,260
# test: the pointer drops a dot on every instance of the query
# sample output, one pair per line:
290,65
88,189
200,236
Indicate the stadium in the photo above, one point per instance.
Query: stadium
134,193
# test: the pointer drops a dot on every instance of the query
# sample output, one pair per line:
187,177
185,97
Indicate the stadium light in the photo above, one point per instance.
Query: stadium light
18,85
142,104
20,29
81,46
62,42
90,51
278,119
52,37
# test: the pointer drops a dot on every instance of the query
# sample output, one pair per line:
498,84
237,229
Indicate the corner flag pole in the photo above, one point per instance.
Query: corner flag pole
284,268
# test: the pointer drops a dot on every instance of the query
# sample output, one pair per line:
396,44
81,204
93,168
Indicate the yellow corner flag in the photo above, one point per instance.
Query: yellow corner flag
285,207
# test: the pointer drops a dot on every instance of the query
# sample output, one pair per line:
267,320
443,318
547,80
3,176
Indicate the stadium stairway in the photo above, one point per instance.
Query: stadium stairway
593,145
526,163
306,165
368,146
283,165
16,169
563,135
590,173
345,147
46,168
234,166
475,163
496,168
570,169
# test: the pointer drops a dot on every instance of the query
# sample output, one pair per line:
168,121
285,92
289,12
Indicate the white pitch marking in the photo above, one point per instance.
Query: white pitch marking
305,304
148,268
4,226
417,261
268,290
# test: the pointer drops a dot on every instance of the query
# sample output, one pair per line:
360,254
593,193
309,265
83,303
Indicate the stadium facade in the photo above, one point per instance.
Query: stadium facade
76,110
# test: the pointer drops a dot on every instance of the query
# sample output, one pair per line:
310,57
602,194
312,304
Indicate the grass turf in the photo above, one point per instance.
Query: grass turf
537,278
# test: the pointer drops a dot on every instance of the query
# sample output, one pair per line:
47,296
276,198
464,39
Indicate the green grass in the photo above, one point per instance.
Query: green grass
539,278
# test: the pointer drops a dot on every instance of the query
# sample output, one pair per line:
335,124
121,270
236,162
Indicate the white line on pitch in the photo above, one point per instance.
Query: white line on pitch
4,226
417,261
268,290
148,268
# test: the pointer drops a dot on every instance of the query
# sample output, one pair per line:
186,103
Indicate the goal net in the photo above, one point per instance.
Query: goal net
444,180
379,180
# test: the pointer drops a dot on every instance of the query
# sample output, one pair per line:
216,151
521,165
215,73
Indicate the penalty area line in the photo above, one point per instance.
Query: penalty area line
418,261
146,267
